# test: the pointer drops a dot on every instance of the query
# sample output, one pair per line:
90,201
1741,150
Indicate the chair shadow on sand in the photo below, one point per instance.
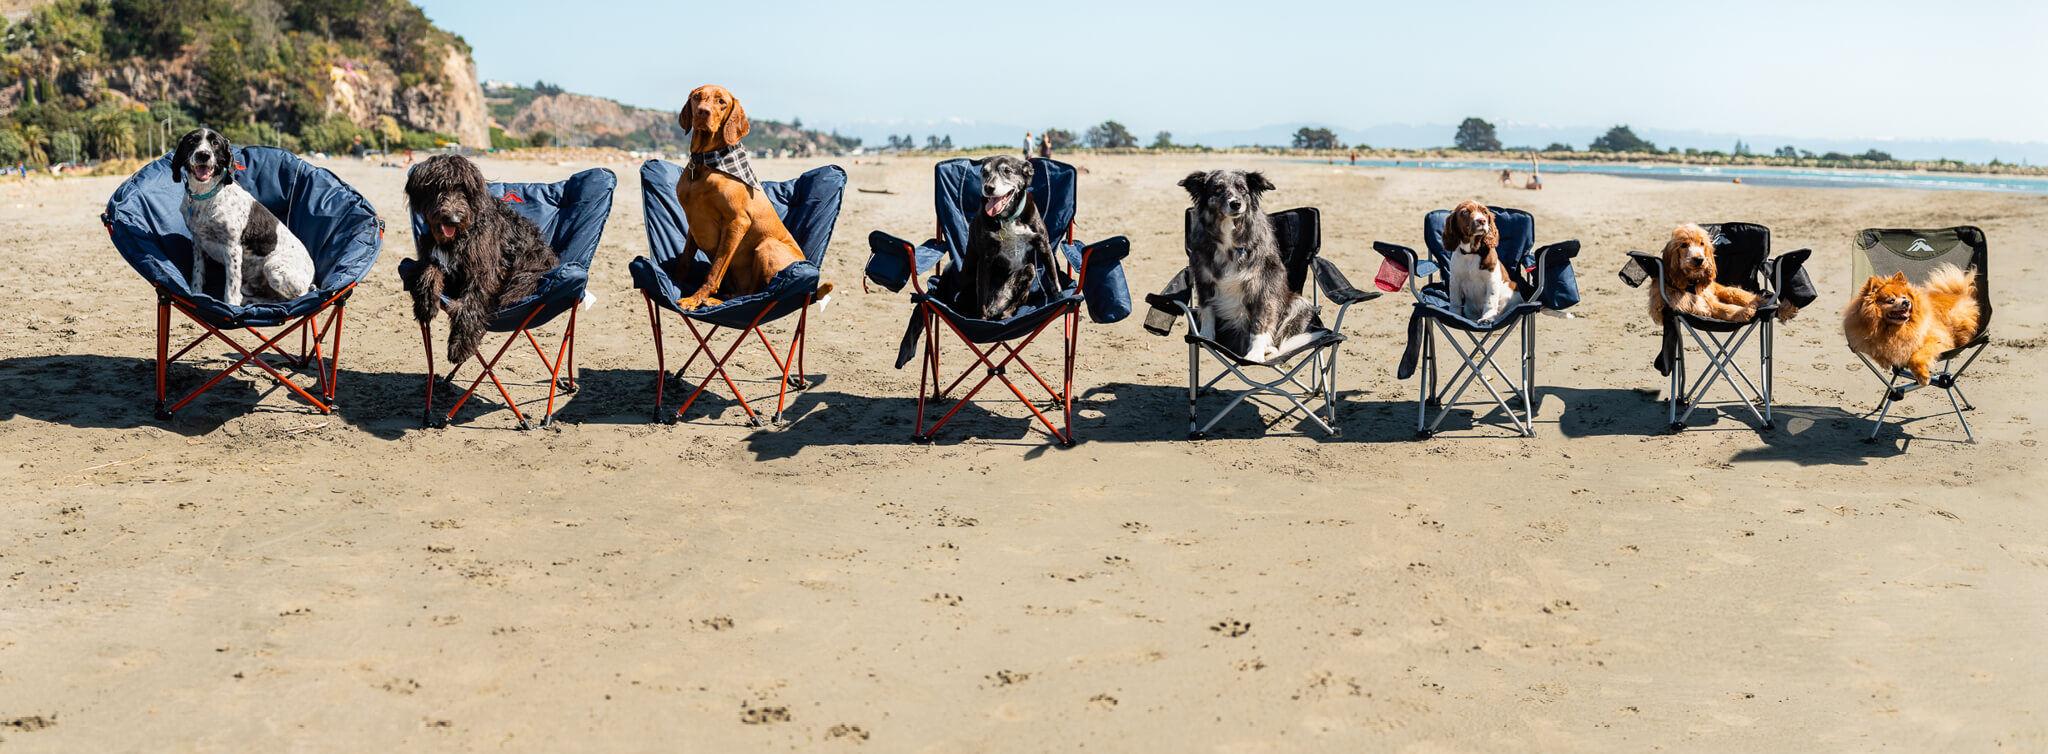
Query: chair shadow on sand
115,392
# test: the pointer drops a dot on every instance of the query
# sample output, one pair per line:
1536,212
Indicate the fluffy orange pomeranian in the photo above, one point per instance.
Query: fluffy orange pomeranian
1900,325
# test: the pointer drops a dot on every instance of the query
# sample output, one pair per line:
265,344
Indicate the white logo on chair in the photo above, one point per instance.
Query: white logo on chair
1919,244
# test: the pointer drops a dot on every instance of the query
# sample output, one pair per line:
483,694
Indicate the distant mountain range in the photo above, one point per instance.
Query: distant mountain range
1427,136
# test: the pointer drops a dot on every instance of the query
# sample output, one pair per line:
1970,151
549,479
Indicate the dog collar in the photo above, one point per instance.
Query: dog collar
207,195
1017,209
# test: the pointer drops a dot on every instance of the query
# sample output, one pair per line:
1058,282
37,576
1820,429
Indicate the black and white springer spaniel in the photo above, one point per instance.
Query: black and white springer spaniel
264,261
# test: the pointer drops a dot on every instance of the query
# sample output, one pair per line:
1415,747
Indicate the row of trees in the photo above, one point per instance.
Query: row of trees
1477,135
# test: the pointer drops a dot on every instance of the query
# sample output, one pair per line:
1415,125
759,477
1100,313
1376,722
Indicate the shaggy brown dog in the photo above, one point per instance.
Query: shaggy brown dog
1898,324
477,251
1689,281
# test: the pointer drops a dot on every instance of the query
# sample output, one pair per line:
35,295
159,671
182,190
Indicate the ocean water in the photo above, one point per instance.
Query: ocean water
1751,176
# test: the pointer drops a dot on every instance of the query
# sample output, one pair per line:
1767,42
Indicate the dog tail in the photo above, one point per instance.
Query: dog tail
1950,280
824,296
1963,315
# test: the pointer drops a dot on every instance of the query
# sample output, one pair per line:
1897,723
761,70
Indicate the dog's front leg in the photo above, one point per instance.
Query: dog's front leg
425,285
234,281
198,269
721,259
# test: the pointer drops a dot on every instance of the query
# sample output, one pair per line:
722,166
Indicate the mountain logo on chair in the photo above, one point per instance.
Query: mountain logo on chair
514,198
1919,245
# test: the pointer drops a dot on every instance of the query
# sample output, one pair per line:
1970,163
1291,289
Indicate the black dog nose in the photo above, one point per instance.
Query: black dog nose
202,158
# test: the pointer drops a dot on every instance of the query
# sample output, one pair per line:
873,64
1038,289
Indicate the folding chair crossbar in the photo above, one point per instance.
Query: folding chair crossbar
319,347
1324,381
1947,381
1473,366
785,362
1721,352
929,375
561,372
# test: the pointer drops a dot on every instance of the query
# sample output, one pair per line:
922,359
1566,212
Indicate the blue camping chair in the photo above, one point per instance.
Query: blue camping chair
571,215
1556,288
337,225
809,208
1091,275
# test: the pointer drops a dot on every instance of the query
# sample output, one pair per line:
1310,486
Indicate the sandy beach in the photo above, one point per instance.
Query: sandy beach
255,576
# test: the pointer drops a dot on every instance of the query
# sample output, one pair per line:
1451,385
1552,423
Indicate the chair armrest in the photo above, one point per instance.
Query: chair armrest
1787,275
1562,252
892,262
1418,266
1174,301
1334,285
1641,266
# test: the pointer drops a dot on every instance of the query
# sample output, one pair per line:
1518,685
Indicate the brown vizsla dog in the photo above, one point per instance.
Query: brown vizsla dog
728,213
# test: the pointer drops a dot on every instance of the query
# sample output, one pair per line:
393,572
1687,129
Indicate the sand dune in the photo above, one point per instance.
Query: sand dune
257,577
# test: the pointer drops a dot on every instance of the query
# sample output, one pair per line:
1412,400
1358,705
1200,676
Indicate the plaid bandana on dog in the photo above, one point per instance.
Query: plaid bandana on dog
731,161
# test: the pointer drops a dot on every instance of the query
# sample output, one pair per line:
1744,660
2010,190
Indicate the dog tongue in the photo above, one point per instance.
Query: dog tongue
996,205
447,232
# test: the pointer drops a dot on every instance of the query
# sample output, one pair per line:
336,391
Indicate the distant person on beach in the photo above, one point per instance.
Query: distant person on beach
1027,145
357,150
1535,176
1045,145
1507,179
1354,156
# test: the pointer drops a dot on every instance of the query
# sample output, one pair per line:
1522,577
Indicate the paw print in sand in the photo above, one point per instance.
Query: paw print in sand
1232,628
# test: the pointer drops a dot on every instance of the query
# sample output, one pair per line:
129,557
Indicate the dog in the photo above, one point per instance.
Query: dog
1689,271
1239,275
730,217
1005,240
477,251
1480,287
1901,325
264,261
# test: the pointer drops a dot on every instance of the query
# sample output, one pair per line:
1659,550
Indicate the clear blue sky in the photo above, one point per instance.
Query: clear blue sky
1861,70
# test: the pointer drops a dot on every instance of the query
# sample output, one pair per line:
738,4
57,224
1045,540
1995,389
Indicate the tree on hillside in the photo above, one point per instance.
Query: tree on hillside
932,142
1163,141
1621,139
1111,135
545,89
1558,147
1316,138
1475,135
1786,151
1059,138
1875,156
1741,149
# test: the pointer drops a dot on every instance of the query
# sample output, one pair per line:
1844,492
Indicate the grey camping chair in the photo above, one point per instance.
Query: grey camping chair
1882,252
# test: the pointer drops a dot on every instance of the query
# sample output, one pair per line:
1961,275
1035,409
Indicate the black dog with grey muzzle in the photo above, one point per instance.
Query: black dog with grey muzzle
1006,241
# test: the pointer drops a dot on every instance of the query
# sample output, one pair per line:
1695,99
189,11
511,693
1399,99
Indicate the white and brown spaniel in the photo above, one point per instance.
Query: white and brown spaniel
1480,287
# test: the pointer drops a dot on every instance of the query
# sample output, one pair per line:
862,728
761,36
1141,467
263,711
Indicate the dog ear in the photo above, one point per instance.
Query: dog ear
977,163
185,147
1194,183
1256,181
736,125
227,159
1454,231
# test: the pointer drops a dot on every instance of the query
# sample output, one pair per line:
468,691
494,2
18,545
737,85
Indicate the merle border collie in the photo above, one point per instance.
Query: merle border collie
1240,279
264,261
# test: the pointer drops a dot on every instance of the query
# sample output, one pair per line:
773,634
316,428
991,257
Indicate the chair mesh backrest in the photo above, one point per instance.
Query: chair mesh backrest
807,205
571,214
1517,236
1298,232
1739,253
956,192
1882,251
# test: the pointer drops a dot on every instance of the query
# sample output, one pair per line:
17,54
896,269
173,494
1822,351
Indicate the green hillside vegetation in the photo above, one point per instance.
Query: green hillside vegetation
261,72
